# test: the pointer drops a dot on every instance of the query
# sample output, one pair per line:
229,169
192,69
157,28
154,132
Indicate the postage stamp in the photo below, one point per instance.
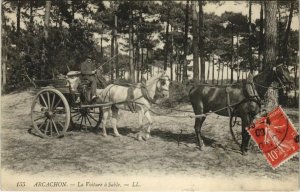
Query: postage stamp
275,136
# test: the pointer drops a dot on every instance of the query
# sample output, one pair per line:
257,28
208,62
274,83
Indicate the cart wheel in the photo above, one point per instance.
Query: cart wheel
50,113
236,129
86,117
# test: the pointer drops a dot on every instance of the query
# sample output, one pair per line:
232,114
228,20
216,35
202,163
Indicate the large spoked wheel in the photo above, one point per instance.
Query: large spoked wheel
50,113
235,124
86,118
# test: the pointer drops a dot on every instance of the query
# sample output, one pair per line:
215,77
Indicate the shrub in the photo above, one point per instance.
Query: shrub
179,93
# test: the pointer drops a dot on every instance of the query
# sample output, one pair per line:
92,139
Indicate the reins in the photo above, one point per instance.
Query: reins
204,114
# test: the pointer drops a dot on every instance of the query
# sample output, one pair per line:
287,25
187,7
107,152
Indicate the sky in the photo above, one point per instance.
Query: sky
242,7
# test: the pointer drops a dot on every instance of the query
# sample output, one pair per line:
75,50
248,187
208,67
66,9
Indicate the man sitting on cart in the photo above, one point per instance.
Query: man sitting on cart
88,72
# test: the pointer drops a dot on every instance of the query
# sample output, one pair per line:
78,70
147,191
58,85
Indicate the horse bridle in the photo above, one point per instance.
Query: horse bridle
282,85
161,89
158,89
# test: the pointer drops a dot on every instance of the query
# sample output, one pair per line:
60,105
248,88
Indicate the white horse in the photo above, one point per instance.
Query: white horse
137,97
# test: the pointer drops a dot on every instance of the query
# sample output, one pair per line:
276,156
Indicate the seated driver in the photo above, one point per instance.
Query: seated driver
250,85
88,71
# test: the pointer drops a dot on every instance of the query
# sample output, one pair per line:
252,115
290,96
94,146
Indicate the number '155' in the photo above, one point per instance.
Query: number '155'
20,184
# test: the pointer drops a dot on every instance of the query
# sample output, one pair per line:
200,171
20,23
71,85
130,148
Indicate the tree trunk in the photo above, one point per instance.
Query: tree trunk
138,39
31,16
232,54
222,77
4,55
147,62
116,47
19,16
296,99
112,54
31,13
270,47
4,70
237,56
101,49
208,70
72,10
47,18
261,36
137,53
171,55
287,33
227,73
142,63
201,44
250,37
46,35
3,52
279,36
167,45
271,34
181,71
186,31
219,73
213,69
195,42
131,66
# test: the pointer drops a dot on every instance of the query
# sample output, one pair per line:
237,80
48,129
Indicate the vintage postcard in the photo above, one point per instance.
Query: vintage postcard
149,95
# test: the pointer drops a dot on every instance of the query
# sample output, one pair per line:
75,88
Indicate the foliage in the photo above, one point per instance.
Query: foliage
75,26
178,94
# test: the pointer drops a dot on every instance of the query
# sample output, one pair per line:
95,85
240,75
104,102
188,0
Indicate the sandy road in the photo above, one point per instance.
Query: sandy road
87,153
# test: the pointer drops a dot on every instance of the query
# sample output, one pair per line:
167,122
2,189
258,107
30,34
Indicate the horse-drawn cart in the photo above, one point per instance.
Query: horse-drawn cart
58,106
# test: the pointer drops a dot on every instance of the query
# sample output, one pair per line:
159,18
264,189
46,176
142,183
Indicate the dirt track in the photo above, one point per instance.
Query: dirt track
85,152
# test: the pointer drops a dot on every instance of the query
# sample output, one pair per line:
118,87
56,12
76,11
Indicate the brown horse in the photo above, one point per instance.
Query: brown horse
205,98
137,98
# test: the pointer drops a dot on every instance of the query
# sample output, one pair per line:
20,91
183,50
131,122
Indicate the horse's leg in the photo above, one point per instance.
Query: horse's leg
97,129
245,135
198,124
198,109
105,116
114,118
251,117
148,116
141,113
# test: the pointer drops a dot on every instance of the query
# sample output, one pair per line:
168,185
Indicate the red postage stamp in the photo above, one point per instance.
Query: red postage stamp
276,137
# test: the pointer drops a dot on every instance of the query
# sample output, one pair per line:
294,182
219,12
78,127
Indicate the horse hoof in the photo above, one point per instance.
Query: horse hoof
104,134
204,148
117,135
139,137
244,153
145,138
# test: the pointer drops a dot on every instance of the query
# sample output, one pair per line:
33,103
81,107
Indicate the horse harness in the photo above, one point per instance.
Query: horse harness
250,94
131,102
145,93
